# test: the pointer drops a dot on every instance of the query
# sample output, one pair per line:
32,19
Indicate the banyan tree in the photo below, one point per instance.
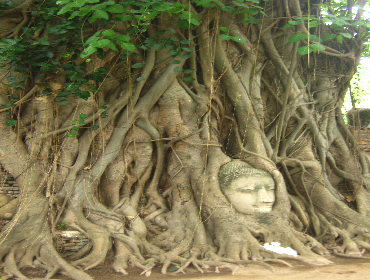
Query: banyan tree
180,133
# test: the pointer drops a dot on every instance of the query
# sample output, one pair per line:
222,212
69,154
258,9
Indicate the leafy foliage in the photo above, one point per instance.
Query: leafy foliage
63,25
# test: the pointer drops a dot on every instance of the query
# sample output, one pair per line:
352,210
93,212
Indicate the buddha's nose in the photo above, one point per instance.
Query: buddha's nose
264,197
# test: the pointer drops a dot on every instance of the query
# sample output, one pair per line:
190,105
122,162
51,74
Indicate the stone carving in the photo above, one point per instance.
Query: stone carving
248,189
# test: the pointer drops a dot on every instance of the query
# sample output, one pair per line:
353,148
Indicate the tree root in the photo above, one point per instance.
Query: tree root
351,256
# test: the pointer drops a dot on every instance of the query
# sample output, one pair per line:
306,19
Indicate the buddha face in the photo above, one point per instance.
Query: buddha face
248,189
251,194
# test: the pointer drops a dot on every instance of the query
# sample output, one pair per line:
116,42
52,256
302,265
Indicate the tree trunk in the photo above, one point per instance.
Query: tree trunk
151,152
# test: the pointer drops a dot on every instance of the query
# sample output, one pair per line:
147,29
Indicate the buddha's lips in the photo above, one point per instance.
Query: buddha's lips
267,204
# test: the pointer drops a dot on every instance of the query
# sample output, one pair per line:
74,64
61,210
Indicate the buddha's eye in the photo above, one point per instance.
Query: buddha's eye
245,190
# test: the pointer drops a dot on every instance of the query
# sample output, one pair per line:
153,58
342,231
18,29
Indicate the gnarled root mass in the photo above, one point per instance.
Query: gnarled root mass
141,177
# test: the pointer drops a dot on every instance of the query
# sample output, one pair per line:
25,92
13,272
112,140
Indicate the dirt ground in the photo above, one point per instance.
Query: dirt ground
341,269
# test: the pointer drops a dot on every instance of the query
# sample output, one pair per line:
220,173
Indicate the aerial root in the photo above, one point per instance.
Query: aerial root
350,256
278,262
51,270
150,263
233,267
11,268
192,260
220,262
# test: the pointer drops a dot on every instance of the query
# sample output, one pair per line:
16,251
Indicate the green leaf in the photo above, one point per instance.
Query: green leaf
124,38
183,24
173,269
189,71
294,22
297,37
138,65
173,31
100,14
358,23
315,38
95,127
329,37
80,13
108,33
306,18
63,102
93,38
238,40
346,35
336,27
89,50
140,79
174,52
251,20
190,18
11,122
185,42
253,12
228,9
314,23
74,128
188,49
185,55
224,29
49,54
128,46
123,18
101,43
189,79
241,4
224,37
82,116
304,50
287,26
176,62
66,8
74,133
317,47
69,135
340,39
177,69
116,9
158,47
112,46
162,7
149,15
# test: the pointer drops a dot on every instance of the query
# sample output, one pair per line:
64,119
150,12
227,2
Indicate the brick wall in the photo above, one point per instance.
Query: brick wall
70,241
65,241
8,186
363,138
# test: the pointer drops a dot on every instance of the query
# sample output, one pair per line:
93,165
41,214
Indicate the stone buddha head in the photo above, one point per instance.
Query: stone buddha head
248,189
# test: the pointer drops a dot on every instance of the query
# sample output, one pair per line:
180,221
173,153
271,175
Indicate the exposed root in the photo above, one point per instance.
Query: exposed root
351,256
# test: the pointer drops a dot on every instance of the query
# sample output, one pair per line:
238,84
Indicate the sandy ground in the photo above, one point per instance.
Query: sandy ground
341,269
